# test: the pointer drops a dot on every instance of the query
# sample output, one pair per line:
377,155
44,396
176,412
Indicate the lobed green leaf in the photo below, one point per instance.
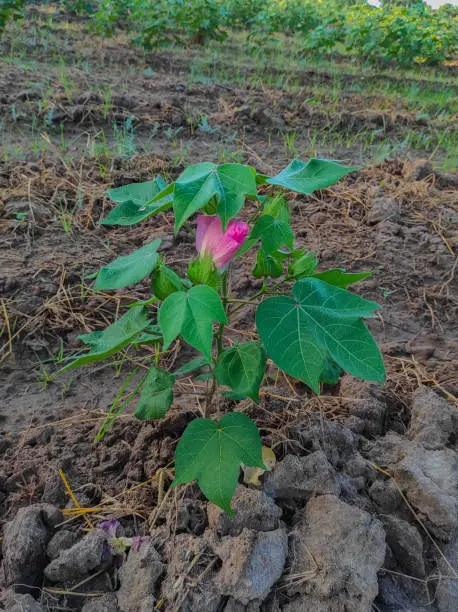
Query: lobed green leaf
303,265
191,315
165,281
198,184
318,322
212,452
277,207
273,233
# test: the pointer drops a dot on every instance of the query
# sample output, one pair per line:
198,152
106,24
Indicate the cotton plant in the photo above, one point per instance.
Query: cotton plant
309,325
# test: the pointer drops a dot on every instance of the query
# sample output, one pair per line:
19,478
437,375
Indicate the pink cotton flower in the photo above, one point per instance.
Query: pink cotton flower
221,246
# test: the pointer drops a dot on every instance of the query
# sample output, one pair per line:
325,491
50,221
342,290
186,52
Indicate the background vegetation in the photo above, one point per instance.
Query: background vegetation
359,82
404,31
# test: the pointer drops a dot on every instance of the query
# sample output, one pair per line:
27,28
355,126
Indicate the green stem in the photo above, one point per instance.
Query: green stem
263,291
211,393
236,301
219,344
255,214
219,336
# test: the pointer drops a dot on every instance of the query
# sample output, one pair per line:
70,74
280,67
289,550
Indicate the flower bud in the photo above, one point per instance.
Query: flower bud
165,281
202,271
220,246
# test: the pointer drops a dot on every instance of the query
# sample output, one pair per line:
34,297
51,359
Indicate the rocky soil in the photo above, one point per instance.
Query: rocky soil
348,524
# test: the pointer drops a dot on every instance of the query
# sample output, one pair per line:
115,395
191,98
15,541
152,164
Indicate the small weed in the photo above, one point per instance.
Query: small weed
64,80
60,355
289,140
205,127
125,138
386,292
181,152
66,215
149,72
50,117
43,376
63,144
173,133
107,103
97,146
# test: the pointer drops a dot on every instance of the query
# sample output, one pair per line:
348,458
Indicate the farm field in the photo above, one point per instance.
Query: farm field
373,467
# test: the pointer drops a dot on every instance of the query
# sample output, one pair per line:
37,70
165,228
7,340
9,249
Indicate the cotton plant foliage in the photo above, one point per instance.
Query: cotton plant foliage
309,324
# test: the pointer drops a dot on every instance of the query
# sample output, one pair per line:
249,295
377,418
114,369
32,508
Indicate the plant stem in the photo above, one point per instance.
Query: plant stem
233,300
255,214
264,289
211,393
219,345
219,336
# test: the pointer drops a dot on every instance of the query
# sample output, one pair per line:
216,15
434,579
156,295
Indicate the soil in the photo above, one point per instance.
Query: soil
46,301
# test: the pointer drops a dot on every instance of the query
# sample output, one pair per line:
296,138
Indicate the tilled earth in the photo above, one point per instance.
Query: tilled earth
361,510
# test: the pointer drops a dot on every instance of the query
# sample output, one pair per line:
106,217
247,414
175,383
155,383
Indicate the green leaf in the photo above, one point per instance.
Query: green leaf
190,315
148,336
340,278
130,213
192,366
261,179
138,202
138,192
156,395
130,269
198,184
277,207
204,376
210,207
302,266
242,368
212,453
113,338
300,332
165,282
331,373
273,233
311,176
266,266
284,253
